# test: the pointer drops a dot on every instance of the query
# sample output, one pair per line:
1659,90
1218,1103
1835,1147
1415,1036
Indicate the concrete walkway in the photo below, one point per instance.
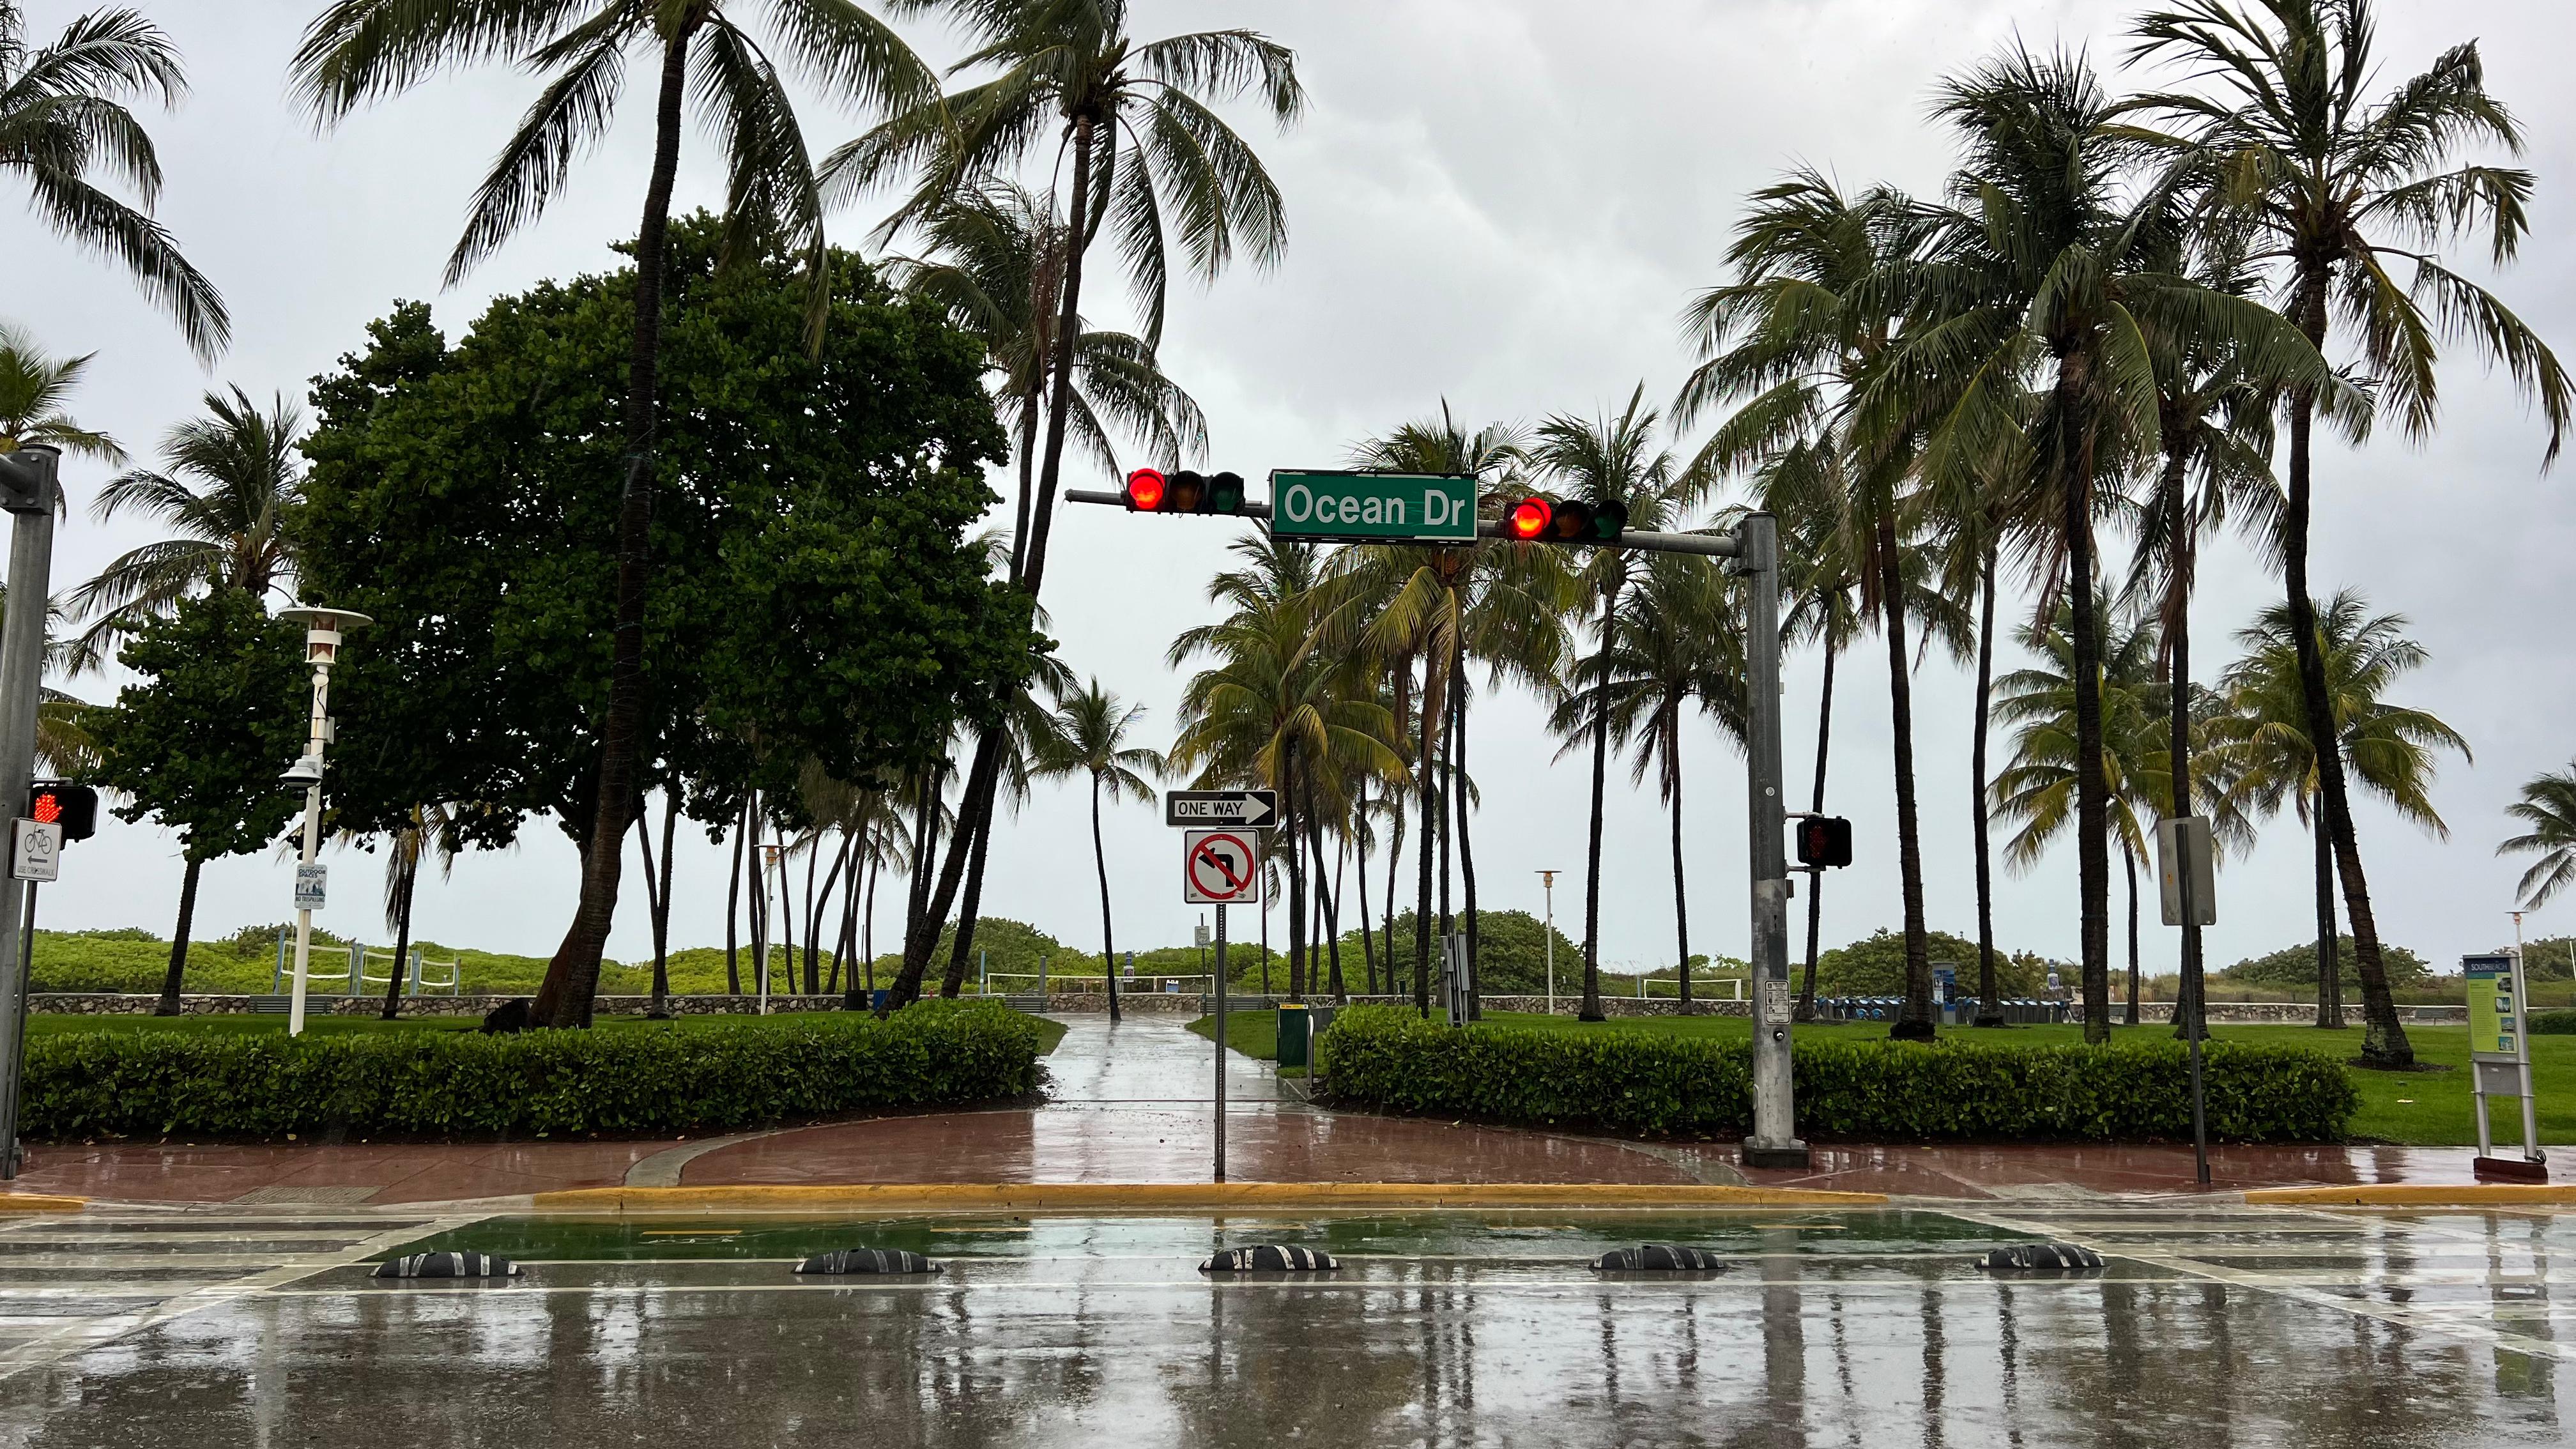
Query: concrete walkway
1129,1103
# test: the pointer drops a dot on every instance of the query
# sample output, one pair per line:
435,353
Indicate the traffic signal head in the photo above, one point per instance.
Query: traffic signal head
1825,841
1540,519
73,807
1145,491
1529,519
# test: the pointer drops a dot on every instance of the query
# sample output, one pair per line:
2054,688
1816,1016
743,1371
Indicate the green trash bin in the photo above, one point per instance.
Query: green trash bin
1296,1027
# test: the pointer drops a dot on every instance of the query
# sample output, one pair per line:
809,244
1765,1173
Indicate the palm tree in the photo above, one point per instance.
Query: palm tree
1089,737
358,51
2041,268
33,389
2548,806
63,116
1132,123
1608,460
232,483
2340,189
2391,749
1679,644
996,256
1795,340
1442,606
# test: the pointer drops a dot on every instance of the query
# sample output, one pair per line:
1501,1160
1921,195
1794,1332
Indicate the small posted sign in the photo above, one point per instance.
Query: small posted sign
2493,1012
311,882
36,850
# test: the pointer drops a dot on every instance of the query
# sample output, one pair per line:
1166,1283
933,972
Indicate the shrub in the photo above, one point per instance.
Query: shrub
2296,965
2553,1023
1875,966
639,1080
1639,1082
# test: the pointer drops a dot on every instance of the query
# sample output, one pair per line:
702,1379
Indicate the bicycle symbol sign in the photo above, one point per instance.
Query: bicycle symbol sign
1220,868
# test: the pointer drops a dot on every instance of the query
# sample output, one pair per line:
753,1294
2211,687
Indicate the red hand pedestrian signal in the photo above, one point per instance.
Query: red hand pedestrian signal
73,807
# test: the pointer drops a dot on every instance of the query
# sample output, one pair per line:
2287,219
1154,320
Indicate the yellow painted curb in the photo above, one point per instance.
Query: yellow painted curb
2418,1194
37,1202
1191,1197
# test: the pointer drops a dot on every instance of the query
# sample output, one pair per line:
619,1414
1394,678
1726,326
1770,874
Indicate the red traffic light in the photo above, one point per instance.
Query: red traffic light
73,807
1529,518
1145,490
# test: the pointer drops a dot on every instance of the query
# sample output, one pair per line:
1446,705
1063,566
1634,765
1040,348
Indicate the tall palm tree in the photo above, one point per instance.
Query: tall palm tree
33,390
2389,748
1132,124
1611,459
2342,189
995,258
1442,606
64,118
2548,806
1678,650
2030,309
359,51
231,483
1089,738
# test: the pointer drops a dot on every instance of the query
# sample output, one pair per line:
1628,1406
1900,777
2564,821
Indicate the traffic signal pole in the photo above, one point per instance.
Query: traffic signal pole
1774,1142
27,489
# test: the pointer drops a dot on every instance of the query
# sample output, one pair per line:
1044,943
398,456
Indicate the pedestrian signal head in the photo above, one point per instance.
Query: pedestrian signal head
1824,841
73,807
1145,490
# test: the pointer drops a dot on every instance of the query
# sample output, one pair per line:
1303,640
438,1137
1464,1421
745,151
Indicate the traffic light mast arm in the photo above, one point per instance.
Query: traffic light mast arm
1711,545
1250,509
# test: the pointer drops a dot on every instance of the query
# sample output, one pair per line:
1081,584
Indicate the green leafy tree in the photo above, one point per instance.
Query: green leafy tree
359,51
1089,738
1876,965
1516,952
822,597
2296,966
2342,191
2269,761
232,485
197,741
1149,159
2548,806
64,118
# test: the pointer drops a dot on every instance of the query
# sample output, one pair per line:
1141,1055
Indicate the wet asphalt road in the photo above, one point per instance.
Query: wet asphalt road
2207,1327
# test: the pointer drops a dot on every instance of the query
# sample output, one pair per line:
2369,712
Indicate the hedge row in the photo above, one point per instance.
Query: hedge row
1639,1082
628,1080
2553,1023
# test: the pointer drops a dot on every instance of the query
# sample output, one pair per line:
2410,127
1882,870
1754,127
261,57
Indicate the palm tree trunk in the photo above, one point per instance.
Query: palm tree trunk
868,938
733,907
970,909
813,920
2329,955
1681,896
1394,862
2092,797
1368,933
402,927
786,925
2383,1042
1294,819
1100,864
1341,872
2129,859
661,1004
1914,1021
1028,463
1989,1004
1816,878
1590,1010
1329,908
1466,839
572,977
2191,1010
1430,816
169,1003
833,880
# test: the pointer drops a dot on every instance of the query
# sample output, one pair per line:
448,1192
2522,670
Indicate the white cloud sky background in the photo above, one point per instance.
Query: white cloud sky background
1502,203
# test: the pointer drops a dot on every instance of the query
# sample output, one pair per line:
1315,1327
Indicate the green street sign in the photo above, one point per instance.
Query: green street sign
1373,507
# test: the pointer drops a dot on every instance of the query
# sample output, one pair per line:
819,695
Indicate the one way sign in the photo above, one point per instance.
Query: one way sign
1219,807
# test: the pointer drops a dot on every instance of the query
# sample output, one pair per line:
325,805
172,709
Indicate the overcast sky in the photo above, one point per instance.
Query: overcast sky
1503,203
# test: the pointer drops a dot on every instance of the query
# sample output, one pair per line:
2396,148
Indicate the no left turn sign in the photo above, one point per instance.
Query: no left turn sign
1220,868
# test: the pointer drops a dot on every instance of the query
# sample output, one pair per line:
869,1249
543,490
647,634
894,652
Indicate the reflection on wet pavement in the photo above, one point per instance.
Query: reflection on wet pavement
2207,1327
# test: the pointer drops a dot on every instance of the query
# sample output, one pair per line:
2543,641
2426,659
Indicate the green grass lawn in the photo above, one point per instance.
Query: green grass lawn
2411,1108
1254,1033
1050,1032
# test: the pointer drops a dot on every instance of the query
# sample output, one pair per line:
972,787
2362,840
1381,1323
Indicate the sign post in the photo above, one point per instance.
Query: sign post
1220,868
2500,1061
2188,875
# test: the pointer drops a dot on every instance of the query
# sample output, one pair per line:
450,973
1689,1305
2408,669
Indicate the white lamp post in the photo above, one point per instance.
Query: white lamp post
322,631
1547,883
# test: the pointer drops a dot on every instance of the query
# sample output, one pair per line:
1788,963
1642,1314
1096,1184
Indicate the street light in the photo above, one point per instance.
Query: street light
322,630
1547,883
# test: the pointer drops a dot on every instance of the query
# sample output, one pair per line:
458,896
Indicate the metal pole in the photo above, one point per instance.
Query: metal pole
1547,883
1774,1142
1220,1042
2521,1049
2187,869
316,728
22,669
